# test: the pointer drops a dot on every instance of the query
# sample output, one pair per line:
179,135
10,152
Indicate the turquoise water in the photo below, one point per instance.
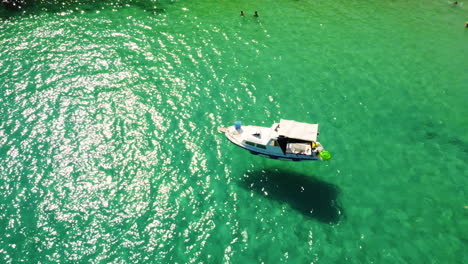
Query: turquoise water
109,150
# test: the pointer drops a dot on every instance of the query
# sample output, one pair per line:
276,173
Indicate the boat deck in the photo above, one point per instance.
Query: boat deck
260,135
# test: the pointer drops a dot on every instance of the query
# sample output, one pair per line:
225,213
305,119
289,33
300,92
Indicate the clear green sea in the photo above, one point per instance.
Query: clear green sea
109,150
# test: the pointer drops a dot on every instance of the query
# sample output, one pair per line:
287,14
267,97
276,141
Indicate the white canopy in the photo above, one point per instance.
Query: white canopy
298,130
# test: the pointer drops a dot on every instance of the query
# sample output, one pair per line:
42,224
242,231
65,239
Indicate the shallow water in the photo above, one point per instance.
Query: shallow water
109,150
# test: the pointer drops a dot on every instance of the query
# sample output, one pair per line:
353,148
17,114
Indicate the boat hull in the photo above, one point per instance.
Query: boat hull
279,157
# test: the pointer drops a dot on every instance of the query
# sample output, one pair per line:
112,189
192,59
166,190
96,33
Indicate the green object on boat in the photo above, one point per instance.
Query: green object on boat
325,155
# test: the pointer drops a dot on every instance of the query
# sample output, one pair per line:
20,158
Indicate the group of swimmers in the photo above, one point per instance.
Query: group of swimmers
255,14
456,3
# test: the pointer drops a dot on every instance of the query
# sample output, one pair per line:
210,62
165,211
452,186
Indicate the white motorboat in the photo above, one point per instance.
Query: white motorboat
286,140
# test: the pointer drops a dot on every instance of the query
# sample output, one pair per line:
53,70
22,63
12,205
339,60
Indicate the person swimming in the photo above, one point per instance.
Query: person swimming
242,13
256,14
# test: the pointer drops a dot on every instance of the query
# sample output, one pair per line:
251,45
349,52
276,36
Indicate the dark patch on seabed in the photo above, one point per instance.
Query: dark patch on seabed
308,195
443,136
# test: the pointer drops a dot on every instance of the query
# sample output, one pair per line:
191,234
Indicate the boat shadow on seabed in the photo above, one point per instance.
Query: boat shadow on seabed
308,195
